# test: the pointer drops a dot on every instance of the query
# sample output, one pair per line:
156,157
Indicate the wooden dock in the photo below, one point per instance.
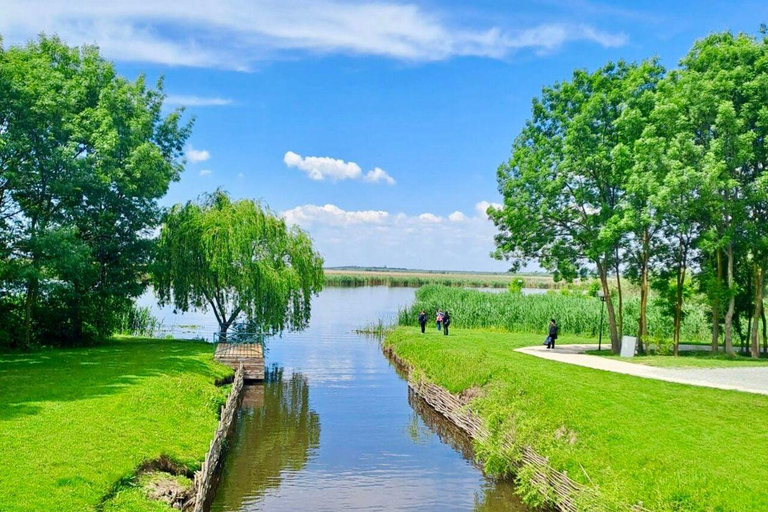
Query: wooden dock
250,354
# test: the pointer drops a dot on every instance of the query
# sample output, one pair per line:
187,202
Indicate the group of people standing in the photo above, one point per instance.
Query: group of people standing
442,321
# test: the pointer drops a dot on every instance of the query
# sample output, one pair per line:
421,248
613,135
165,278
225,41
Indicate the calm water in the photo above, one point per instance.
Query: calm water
334,428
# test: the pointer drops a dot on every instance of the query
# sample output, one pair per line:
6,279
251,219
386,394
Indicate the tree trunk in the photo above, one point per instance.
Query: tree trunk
755,348
728,324
28,303
765,333
225,323
615,341
678,309
642,329
620,319
716,305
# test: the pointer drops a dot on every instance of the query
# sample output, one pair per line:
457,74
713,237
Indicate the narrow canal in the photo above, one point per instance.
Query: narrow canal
334,428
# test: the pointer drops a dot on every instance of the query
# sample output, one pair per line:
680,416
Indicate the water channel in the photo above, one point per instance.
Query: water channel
333,426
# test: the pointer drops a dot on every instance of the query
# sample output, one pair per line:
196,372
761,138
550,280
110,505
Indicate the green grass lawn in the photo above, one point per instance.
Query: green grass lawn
672,447
689,359
75,424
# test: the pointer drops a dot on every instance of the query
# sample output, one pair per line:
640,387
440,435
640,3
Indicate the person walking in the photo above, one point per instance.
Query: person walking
439,319
552,333
446,322
422,320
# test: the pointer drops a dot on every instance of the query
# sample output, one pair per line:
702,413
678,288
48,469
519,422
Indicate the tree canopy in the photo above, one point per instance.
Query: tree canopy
657,176
84,156
239,260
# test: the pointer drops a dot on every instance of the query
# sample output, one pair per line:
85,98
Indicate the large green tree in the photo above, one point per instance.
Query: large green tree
716,107
84,156
564,185
237,259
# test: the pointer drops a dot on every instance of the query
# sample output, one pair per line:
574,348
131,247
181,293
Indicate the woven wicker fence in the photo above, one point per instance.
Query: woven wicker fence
205,478
553,483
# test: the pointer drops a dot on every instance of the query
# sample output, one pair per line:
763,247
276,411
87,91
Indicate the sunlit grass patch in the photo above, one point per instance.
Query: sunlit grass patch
75,423
671,446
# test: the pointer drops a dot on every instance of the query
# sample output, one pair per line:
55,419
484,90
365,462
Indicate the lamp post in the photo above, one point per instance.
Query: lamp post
602,307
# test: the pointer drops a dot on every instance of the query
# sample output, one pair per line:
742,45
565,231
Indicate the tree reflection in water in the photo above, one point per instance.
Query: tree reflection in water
276,433
496,495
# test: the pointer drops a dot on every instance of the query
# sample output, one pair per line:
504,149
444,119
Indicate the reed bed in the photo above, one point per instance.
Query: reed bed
577,314
416,281
139,321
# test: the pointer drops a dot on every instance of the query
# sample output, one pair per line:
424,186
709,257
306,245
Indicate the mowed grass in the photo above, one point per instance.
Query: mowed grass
75,424
672,447
690,359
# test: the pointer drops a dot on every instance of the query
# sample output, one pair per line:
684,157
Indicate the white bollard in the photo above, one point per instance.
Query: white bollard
628,346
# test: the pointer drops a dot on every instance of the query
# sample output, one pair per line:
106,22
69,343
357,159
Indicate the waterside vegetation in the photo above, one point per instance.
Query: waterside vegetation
576,313
415,279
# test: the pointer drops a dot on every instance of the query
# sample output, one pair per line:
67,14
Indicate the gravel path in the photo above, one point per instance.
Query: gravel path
749,380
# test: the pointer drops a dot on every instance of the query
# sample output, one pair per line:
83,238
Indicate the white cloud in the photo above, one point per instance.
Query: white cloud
236,34
196,155
374,237
181,100
430,218
205,172
482,207
330,214
378,174
320,168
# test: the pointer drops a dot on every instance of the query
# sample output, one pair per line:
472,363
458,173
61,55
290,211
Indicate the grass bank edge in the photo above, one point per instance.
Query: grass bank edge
80,425
666,446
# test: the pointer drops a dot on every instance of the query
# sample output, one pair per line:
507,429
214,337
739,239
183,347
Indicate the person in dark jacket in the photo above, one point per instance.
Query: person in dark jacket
552,333
422,320
446,322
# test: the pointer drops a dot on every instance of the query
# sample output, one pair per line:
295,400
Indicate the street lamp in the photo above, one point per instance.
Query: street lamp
601,295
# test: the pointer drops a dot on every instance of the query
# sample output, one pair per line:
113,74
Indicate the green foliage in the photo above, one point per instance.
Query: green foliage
628,439
563,184
237,257
110,408
515,286
650,174
576,314
139,321
84,156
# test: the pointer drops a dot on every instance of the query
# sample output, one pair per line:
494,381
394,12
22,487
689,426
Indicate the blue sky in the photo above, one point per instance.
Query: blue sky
430,93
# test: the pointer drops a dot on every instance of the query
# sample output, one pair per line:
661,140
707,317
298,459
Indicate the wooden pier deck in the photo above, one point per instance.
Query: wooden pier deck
250,354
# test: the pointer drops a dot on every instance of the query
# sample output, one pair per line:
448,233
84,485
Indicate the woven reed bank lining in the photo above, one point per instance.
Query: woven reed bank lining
205,478
455,409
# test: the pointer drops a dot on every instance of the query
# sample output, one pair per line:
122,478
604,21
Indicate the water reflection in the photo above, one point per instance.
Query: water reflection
495,495
376,453
275,435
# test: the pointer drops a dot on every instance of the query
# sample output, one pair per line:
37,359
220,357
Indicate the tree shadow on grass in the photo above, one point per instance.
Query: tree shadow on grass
59,375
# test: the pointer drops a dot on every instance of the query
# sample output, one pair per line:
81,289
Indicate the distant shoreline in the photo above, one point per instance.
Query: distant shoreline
399,271
346,277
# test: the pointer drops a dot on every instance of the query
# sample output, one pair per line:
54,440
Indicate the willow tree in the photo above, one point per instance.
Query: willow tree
239,260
